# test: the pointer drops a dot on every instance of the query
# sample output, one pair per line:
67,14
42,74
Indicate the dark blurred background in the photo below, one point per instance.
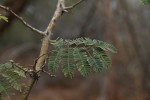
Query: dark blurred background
123,23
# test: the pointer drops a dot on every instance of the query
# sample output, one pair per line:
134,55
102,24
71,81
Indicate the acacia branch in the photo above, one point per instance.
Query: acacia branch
45,44
37,68
22,20
61,8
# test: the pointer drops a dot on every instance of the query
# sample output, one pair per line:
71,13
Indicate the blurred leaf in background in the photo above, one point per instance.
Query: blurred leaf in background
4,18
146,1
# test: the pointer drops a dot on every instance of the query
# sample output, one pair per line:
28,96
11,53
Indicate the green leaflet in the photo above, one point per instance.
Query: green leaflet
13,79
10,77
57,43
82,63
67,62
96,62
4,85
4,18
54,59
103,56
106,47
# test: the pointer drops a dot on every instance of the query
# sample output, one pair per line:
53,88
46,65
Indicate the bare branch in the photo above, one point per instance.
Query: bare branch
22,20
74,5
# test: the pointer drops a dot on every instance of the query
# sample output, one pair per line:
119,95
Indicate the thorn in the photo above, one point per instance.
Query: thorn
65,11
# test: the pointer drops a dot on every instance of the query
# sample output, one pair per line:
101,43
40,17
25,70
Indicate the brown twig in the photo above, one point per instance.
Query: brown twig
22,20
74,5
19,66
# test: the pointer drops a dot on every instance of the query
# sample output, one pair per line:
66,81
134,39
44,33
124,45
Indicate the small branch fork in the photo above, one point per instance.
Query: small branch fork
74,5
31,72
40,61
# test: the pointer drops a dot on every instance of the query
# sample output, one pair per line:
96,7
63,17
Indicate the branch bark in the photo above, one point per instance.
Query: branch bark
48,31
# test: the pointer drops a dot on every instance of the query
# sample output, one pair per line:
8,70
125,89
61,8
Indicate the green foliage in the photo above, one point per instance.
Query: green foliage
54,59
4,18
146,1
67,62
10,77
82,61
84,54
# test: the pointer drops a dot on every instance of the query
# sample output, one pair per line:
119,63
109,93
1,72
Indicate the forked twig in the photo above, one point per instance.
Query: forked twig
18,66
74,5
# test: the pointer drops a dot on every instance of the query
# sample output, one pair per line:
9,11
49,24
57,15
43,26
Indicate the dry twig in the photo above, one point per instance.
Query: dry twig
22,20
19,66
74,5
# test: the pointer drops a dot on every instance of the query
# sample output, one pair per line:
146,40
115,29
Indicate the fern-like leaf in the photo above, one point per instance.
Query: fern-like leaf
103,56
54,59
83,53
13,79
82,63
4,85
10,77
96,63
67,62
